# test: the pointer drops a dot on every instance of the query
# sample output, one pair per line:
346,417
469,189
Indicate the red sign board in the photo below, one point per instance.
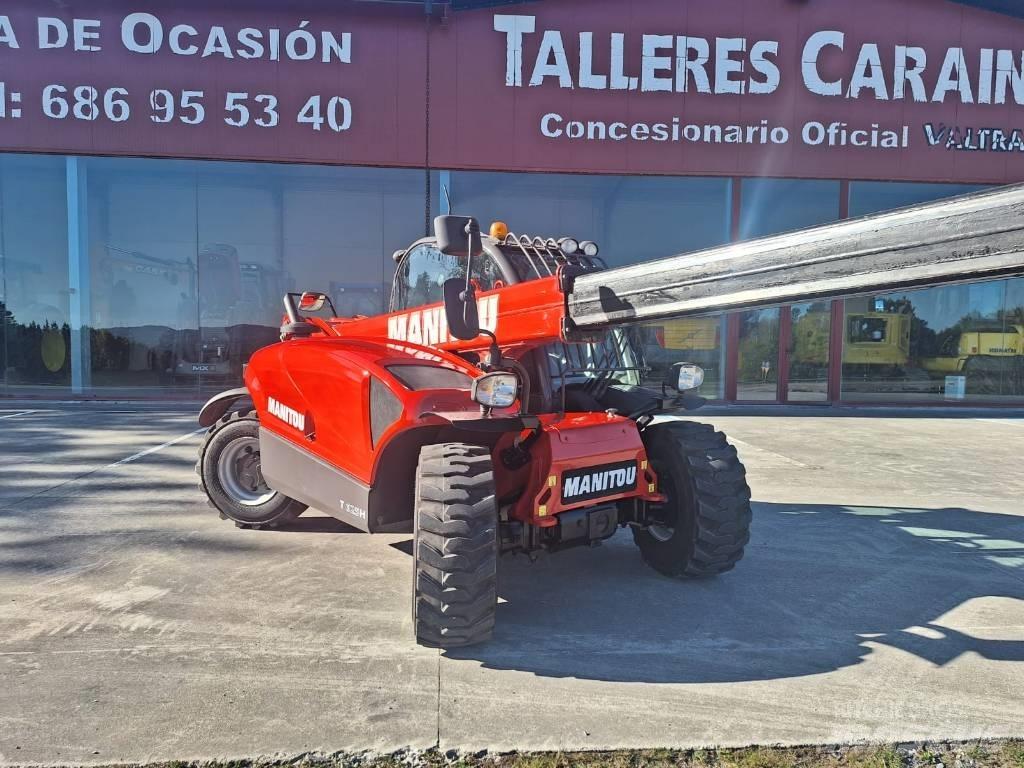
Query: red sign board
922,90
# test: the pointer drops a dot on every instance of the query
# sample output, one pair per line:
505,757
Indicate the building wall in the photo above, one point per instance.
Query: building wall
142,251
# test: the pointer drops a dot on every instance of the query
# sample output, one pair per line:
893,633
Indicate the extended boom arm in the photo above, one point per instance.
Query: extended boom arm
964,239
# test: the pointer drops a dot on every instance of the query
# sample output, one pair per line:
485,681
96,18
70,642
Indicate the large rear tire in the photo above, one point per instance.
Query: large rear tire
455,551
702,529
230,476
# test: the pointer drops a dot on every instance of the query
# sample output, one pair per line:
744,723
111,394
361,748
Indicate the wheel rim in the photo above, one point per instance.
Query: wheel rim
239,473
664,529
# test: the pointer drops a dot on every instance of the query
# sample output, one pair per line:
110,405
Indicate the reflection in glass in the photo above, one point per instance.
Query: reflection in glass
875,196
189,260
632,219
951,343
696,340
757,374
770,206
144,273
809,339
34,320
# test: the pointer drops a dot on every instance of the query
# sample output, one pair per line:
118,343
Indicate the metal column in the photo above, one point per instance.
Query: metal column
79,288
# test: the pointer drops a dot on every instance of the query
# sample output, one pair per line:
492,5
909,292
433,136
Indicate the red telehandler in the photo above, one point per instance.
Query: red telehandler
497,407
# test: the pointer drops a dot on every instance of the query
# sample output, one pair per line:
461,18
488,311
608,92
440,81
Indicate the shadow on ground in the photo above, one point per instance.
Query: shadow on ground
819,587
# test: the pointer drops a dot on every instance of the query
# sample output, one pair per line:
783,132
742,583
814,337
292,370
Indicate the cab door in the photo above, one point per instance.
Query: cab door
421,274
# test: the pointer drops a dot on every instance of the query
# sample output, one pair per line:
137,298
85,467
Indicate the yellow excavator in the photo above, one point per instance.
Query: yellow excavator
989,353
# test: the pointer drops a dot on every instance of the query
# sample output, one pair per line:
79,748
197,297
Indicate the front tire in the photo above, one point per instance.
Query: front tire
455,550
703,528
230,475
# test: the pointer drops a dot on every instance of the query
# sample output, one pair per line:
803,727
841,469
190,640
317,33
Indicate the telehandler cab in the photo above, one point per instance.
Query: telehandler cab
498,408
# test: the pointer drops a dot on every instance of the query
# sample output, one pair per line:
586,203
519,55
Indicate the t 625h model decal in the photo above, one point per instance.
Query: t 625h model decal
429,326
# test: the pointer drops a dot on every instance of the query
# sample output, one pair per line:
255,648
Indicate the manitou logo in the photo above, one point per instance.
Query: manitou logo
607,480
429,327
289,416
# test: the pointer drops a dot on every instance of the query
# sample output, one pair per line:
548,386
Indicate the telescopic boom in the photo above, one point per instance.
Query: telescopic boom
964,239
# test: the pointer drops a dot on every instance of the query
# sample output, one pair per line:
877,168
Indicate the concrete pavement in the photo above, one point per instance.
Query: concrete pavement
882,597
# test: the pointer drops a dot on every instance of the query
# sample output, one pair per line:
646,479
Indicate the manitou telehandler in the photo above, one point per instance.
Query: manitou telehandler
497,407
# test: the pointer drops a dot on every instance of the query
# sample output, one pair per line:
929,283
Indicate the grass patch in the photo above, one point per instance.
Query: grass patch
984,754
1012,754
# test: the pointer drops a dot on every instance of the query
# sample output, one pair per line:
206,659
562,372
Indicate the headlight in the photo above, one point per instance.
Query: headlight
496,390
685,377
589,248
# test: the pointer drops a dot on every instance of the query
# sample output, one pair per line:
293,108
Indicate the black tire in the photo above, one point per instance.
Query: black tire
455,551
706,521
231,435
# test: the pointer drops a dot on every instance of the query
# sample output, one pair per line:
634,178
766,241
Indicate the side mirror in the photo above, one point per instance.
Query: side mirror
684,377
312,302
460,309
458,236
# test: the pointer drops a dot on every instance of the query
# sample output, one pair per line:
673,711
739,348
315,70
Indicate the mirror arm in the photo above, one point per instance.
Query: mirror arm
289,308
473,238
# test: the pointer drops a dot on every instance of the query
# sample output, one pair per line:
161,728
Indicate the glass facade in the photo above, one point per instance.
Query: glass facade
954,343
770,206
34,296
757,374
807,352
144,277
175,269
634,219
948,344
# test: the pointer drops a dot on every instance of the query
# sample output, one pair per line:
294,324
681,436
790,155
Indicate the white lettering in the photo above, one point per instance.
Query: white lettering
217,42
174,40
7,36
587,77
514,28
546,123
551,46
53,33
868,74
816,43
653,63
764,66
910,73
1009,75
953,77
130,33
695,67
84,30
726,66
619,80
289,416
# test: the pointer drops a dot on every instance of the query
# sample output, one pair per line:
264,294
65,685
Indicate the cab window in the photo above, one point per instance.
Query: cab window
423,271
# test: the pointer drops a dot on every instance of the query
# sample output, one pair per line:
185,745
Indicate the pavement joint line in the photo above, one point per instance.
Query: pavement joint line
787,459
437,740
20,413
156,448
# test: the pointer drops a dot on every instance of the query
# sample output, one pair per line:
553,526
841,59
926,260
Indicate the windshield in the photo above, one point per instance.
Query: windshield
616,356
868,329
